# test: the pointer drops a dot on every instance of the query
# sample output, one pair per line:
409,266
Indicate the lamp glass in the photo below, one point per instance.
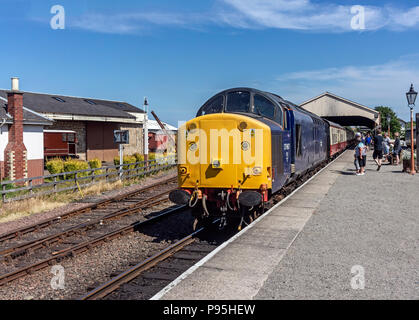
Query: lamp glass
411,95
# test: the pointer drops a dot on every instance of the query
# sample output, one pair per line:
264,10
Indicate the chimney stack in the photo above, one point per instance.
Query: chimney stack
15,154
15,84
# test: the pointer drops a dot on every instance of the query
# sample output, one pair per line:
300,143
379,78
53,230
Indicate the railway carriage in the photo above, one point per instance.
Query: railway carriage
245,145
60,144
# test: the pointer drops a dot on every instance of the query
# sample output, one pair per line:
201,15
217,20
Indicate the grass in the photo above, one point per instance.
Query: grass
23,208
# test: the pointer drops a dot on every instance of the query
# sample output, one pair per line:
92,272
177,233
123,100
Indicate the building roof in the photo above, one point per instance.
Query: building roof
340,98
153,125
29,116
59,104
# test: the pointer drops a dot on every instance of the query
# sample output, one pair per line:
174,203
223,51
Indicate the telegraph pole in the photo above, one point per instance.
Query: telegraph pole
145,130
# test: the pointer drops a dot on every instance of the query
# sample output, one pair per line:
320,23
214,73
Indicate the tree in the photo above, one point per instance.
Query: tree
394,121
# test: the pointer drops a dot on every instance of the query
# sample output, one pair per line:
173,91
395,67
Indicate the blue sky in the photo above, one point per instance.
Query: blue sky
180,53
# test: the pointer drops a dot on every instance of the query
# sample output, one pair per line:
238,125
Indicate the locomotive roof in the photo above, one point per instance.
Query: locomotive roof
272,96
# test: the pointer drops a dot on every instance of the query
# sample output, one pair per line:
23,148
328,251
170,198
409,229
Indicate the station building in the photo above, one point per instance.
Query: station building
342,111
93,120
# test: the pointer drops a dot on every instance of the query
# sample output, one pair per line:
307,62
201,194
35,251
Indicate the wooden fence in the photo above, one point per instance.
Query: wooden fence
66,181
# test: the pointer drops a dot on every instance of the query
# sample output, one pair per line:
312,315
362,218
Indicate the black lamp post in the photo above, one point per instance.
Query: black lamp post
411,98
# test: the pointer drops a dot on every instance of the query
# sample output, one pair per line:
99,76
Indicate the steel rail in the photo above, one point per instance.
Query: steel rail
132,273
82,247
47,222
13,252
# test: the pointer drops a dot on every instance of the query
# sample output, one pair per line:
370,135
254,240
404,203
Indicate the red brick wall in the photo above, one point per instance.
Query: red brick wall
36,169
15,157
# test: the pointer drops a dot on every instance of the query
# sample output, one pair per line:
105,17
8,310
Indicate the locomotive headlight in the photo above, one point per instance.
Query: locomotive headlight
192,127
193,146
183,170
257,171
245,145
242,126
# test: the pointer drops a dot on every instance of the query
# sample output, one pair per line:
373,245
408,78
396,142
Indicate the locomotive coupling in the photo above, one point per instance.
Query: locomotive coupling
180,197
250,198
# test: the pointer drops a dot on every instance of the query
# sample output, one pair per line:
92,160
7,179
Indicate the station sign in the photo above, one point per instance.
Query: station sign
121,136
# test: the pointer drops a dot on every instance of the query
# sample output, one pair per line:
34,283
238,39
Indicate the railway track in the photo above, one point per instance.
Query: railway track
150,275
78,235
71,251
113,202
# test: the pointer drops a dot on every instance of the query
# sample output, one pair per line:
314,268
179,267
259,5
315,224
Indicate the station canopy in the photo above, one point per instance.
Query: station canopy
342,111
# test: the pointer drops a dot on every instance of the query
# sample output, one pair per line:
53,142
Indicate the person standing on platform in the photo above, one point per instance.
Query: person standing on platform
397,148
368,141
361,155
386,147
378,149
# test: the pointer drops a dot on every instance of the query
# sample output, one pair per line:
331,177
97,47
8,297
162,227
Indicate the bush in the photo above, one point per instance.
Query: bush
138,157
75,165
96,164
126,160
55,166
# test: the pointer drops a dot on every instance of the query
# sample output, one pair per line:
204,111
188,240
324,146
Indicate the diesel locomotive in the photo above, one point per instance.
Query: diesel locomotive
244,146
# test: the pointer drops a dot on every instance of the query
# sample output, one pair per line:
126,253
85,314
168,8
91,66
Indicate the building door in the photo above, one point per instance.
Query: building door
100,145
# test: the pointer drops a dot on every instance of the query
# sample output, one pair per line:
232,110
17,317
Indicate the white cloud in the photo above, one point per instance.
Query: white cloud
309,15
384,84
256,14
126,23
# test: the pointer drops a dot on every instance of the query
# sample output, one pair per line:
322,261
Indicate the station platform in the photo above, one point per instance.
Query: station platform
339,236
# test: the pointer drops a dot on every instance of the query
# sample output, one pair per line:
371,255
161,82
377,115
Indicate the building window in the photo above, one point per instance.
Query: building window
90,102
58,99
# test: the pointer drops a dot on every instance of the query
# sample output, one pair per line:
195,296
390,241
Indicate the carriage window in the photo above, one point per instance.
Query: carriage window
213,106
265,108
69,137
238,101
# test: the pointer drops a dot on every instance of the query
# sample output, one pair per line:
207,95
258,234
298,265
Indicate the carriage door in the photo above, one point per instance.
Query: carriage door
316,140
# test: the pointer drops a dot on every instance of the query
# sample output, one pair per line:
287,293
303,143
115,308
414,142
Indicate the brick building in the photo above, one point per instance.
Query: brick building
93,120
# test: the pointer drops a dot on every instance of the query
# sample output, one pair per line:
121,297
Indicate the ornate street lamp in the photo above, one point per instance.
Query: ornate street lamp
411,98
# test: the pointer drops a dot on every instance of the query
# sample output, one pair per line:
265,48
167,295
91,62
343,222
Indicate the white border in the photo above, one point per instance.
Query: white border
184,275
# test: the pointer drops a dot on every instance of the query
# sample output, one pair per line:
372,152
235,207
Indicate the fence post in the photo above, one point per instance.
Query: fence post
3,196
106,174
55,183
30,187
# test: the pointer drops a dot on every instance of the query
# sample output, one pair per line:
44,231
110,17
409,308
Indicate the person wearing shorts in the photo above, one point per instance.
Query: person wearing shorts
361,156
378,149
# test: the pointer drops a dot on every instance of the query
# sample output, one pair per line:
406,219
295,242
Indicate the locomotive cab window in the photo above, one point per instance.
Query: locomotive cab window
264,107
238,101
215,105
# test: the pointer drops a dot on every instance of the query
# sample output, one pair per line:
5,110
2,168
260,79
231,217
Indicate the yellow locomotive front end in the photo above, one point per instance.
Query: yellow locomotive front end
224,160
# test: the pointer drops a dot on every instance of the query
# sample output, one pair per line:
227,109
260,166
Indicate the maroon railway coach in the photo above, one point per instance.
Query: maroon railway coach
60,144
